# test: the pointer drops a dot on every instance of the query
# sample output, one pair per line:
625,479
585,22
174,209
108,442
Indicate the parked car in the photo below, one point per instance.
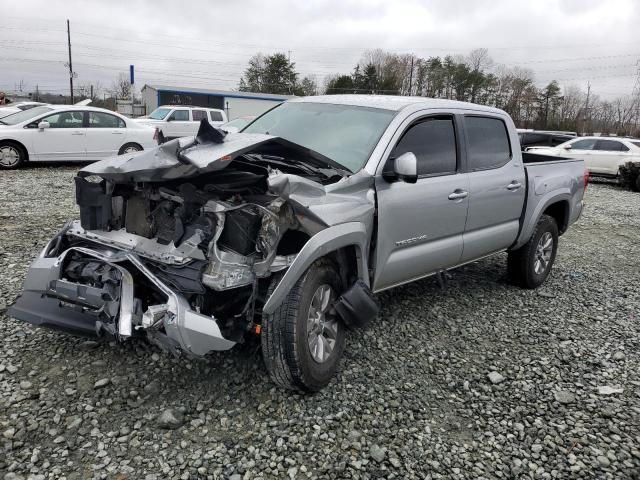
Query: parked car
542,139
18,107
285,229
182,121
68,133
237,124
603,156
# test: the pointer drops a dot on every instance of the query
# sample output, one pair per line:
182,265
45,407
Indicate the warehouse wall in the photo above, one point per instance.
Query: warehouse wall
149,99
242,107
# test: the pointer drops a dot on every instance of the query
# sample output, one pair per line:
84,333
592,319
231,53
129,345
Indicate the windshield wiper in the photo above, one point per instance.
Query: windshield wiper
307,167
3,123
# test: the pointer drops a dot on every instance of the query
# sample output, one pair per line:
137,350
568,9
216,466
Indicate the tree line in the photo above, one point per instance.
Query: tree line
473,78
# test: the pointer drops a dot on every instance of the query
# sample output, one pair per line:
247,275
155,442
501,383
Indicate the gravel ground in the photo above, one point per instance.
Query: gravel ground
483,380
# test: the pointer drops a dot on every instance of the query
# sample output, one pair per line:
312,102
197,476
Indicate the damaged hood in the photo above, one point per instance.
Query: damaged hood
184,157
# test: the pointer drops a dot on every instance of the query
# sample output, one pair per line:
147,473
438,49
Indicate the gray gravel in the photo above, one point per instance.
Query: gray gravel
483,380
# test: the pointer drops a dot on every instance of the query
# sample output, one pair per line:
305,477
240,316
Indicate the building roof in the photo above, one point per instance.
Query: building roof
391,102
221,93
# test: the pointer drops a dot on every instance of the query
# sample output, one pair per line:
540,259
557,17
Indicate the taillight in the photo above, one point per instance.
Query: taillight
586,178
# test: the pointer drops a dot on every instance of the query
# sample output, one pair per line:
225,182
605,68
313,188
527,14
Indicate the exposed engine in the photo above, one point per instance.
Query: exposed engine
212,233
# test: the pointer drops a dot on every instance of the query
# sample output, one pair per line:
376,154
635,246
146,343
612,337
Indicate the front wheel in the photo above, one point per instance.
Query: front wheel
303,340
530,265
11,156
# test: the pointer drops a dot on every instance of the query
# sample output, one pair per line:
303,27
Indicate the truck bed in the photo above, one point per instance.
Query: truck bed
550,179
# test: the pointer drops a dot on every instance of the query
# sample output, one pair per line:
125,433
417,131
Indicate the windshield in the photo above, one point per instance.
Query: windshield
159,113
23,116
344,133
237,123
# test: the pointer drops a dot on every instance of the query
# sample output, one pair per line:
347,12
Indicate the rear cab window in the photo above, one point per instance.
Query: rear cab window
488,143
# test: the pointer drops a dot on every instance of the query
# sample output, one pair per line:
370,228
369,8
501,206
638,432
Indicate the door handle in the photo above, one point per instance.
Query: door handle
514,186
117,133
458,194
77,133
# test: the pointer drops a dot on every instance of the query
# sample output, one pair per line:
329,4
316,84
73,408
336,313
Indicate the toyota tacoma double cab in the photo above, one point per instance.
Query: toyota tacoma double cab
287,229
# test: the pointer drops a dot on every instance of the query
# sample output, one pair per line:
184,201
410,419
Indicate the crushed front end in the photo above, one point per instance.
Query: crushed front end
176,247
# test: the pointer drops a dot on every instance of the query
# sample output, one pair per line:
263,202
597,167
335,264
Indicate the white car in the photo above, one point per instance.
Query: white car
603,156
181,121
12,108
69,133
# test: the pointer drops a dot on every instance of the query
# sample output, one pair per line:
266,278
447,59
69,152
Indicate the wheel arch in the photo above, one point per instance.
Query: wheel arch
346,244
18,144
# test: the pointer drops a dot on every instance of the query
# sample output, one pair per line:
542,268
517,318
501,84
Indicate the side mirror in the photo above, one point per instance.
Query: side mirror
405,168
43,125
567,147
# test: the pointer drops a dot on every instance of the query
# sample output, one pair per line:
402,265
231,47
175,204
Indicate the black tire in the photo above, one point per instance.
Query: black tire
131,147
521,263
12,155
285,348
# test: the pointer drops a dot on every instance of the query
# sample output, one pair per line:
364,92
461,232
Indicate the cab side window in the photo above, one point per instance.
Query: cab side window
611,146
433,142
487,141
198,115
64,120
215,116
586,144
179,116
105,120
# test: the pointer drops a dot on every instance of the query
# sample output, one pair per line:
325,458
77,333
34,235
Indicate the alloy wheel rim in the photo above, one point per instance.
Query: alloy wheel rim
9,156
544,250
322,329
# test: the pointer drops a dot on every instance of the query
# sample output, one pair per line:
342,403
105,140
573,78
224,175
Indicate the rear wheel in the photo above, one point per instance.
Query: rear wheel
129,148
530,265
11,155
303,340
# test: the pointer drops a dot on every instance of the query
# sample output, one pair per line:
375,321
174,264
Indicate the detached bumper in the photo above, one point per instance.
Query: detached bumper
50,301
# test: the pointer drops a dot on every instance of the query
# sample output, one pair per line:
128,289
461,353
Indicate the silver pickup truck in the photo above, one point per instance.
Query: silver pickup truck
286,230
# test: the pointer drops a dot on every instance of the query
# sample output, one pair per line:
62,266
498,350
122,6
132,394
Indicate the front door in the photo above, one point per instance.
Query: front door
421,225
179,124
582,149
64,140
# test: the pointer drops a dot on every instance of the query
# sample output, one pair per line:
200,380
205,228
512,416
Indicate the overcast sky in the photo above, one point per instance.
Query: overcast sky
207,44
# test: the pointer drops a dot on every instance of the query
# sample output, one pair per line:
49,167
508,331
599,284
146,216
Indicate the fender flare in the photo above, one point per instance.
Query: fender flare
322,243
531,221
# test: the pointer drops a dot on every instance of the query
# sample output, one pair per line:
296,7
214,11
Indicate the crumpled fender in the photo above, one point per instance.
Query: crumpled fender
322,243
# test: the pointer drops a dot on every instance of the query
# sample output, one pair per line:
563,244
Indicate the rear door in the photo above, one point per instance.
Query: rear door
64,140
420,225
198,115
106,133
496,186
608,155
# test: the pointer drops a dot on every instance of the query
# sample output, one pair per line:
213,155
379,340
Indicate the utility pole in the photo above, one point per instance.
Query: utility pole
70,64
91,97
411,76
586,107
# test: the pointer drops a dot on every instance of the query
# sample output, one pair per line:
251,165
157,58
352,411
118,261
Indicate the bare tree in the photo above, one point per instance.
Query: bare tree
121,88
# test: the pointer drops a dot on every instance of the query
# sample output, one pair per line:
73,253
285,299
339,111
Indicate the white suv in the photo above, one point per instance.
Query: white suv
182,121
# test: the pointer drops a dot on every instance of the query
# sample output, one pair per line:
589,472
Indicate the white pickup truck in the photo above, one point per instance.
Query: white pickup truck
182,121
